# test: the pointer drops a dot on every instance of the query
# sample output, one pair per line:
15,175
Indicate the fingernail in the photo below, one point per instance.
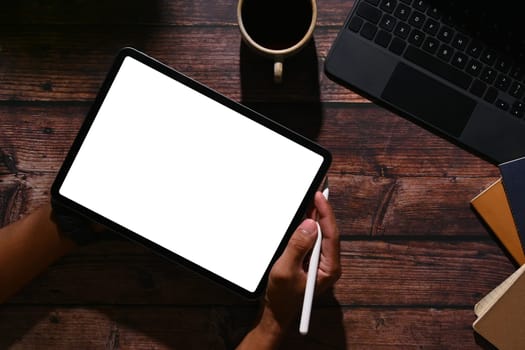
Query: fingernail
308,227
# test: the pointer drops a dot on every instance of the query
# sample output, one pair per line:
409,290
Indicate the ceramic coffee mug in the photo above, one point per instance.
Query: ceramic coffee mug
277,28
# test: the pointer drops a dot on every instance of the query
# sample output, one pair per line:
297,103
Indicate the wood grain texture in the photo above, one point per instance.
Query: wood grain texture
415,256
178,327
146,12
70,65
391,177
365,140
396,272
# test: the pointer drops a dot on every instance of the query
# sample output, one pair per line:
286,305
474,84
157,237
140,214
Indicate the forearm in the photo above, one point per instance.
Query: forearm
27,247
266,335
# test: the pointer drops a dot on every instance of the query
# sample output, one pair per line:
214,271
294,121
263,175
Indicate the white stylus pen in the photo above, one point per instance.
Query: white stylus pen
311,277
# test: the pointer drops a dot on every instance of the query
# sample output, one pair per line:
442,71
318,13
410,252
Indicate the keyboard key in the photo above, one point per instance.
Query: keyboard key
387,23
421,5
402,12
488,75
431,26
474,49
445,34
430,45
417,19
388,5
438,67
488,56
402,30
434,12
445,52
369,31
383,38
373,2
460,41
503,64
474,67
478,88
518,109
355,24
516,112
397,46
491,95
416,37
459,60
516,89
369,13
502,104
517,72
502,82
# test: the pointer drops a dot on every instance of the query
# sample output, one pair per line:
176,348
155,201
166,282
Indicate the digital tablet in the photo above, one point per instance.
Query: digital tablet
197,177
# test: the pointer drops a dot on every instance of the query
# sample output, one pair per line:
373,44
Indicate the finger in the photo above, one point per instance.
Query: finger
326,217
311,212
330,246
301,242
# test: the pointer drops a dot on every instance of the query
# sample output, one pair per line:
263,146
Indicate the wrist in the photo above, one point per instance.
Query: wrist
269,325
266,335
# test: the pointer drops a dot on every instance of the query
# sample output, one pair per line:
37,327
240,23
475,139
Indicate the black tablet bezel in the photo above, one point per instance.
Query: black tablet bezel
58,199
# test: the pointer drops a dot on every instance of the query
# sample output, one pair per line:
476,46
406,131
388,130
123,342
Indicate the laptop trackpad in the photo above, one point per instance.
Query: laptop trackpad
428,100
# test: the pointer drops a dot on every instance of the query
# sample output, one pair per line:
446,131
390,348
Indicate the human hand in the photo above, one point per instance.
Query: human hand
287,279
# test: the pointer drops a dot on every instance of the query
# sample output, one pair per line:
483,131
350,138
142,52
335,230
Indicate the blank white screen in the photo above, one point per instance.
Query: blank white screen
190,174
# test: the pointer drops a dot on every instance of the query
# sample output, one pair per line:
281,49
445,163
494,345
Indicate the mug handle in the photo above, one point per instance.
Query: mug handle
278,72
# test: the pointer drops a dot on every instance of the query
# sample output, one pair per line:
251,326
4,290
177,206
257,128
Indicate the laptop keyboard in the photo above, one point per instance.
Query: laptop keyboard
421,34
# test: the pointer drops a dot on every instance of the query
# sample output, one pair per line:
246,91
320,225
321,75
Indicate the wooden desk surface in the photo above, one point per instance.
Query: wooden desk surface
415,256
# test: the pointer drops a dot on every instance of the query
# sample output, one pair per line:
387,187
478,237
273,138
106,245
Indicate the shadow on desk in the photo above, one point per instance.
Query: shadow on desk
94,11
295,103
116,293
483,343
41,34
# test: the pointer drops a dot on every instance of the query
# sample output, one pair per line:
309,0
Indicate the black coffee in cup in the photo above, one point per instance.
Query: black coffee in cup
277,24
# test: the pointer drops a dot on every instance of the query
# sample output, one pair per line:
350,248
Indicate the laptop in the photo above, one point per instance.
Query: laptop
456,68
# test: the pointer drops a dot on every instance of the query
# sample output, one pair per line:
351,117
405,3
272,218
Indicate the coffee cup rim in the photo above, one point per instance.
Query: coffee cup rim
280,52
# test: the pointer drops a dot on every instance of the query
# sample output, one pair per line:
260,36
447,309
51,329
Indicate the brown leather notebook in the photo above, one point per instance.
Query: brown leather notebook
501,313
492,205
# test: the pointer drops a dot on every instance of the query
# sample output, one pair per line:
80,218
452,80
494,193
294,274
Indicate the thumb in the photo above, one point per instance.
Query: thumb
301,242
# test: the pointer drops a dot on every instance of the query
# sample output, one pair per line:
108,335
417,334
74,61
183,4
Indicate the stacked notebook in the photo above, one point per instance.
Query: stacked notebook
501,313
502,207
